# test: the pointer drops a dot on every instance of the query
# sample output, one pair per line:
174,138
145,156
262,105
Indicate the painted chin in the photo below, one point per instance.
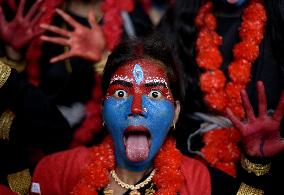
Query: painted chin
137,143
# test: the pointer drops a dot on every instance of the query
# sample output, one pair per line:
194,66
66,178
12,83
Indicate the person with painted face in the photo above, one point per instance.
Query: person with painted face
226,48
137,154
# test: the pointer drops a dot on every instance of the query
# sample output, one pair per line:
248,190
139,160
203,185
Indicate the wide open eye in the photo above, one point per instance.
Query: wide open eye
120,94
155,94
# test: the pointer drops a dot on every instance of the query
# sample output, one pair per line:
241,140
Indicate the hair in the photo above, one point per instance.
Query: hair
152,47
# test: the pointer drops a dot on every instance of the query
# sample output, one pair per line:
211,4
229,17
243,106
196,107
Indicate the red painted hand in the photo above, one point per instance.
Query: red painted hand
260,135
22,29
84,42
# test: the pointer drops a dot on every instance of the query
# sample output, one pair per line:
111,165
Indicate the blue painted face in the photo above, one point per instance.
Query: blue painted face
138,112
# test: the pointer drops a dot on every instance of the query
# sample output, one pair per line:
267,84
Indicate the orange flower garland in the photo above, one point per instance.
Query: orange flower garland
168,177
220,94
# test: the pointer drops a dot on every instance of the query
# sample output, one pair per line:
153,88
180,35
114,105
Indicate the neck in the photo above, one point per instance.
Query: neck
81,8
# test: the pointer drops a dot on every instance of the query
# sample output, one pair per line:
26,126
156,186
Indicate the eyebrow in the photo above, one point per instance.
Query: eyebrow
121,82
154,84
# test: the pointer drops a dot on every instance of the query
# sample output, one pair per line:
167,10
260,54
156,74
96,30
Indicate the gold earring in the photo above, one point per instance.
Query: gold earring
174,126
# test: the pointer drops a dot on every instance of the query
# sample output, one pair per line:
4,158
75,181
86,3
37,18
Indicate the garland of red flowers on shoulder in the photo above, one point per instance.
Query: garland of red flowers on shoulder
168,177
221,148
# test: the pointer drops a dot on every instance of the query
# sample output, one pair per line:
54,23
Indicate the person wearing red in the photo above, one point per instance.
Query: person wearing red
143,97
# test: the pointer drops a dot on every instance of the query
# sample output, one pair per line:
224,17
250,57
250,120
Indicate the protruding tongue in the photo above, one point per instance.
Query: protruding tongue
137,147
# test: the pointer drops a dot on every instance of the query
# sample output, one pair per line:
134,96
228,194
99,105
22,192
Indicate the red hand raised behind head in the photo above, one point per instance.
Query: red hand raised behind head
260,135
22,29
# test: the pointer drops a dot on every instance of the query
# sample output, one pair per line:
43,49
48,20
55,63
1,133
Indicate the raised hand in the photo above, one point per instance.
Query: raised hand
84,42
260,135
22,29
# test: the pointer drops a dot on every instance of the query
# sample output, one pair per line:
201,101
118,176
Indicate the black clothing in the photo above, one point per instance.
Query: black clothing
37,124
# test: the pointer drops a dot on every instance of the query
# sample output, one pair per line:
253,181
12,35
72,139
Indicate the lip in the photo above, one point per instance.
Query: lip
136,129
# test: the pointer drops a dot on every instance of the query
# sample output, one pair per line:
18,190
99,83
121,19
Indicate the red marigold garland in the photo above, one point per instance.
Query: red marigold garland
219,94
168,177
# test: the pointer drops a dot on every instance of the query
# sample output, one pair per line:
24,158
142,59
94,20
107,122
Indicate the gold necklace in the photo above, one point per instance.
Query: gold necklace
133,188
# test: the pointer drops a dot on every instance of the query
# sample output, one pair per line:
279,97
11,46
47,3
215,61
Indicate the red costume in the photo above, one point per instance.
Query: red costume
58,174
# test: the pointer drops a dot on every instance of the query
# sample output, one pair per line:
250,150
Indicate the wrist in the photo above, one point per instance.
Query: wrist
18,65
13,54
258,169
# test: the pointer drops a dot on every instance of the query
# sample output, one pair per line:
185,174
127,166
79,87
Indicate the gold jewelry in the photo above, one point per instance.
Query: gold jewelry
108,191
249,190
133,188
6,120
257,169
5,72
18,65
100,65
20,182
150,191
67,61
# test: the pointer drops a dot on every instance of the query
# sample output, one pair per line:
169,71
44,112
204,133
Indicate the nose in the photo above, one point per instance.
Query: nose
137,107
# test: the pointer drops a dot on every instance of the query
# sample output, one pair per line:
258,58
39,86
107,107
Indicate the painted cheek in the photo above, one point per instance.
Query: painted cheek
161,114
115,113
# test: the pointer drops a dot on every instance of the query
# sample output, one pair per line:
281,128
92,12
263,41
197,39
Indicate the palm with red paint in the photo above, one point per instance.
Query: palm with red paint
260,135
85,42
22,29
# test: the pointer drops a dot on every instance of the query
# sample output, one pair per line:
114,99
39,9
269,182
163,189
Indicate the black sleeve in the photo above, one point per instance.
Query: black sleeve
37,122
223,184
37,129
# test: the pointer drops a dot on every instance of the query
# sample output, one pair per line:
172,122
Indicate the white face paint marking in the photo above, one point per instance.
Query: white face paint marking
121,78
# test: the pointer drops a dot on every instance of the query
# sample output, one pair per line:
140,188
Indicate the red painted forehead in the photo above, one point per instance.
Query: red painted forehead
141,71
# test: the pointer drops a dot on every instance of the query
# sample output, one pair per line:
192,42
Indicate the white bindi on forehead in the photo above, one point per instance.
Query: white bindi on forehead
138,74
